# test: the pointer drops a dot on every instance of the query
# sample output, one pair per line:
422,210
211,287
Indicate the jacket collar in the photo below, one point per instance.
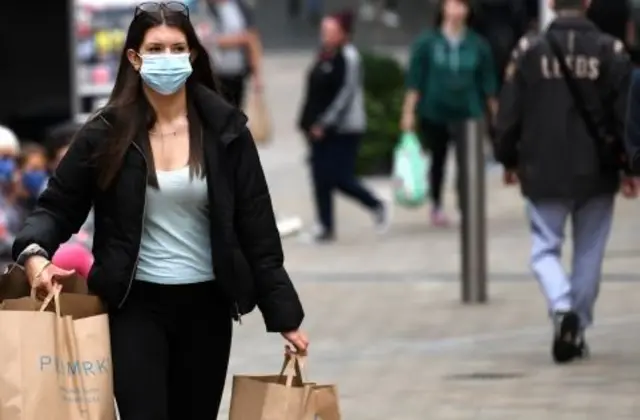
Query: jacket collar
223,120
572,22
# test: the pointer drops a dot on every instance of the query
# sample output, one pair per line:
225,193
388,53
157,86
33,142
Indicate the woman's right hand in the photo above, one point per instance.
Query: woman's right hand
43,275
408,122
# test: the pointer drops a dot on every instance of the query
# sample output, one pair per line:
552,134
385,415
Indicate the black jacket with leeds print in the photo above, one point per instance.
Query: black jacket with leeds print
540,129
247,251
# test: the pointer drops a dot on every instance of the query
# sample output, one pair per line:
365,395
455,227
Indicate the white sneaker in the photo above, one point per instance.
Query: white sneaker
390,19
289,226
367,12
382,217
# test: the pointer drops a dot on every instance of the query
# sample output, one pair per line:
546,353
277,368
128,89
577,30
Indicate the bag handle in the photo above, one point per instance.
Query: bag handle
579,100
292,369
54,295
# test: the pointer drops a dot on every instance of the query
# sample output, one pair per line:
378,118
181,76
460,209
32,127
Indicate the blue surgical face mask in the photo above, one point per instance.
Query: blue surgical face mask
7,169
165,73
34,181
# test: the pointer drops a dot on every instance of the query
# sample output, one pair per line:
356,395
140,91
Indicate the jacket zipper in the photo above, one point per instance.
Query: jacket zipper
238,313
144,211
236,306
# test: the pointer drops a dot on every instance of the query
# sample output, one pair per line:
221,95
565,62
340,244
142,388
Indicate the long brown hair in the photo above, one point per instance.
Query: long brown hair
128,110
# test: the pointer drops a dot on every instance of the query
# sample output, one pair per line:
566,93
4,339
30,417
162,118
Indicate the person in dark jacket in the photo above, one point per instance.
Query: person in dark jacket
632,131
568,164
613,17
185,237
333,120
501,23
237,48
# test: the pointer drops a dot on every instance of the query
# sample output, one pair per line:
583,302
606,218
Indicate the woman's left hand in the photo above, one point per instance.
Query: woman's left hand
317,132
298,339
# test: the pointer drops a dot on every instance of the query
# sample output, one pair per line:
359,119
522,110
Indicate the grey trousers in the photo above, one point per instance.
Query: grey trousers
591,223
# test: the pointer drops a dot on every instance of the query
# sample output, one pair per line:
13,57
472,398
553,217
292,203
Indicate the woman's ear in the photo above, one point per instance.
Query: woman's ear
134,59
192,55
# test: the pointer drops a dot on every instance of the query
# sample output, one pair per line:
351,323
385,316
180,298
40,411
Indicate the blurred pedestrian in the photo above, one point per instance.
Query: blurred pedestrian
559,133
333,120
501,23
33,174
613,17
238,49
451,79
11,213
389,11
632,133
186,239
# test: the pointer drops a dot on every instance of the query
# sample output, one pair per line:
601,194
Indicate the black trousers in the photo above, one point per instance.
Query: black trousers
437,137
170,349
233,89
333,167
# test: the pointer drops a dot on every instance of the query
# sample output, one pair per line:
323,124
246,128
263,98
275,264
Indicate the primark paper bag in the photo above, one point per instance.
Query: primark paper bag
54,367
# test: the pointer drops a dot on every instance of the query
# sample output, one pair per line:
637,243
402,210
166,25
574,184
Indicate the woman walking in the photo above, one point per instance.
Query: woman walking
451,79
185,238
333,120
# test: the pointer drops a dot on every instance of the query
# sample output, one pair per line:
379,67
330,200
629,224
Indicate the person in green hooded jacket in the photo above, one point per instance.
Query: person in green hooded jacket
451,79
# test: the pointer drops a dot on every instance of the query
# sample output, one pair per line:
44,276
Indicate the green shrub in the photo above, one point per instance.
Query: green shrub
384,92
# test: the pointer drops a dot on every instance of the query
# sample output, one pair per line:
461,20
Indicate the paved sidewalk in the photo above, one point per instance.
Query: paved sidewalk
385,321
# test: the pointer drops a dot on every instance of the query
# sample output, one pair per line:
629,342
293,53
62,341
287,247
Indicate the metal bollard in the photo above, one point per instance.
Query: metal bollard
472,201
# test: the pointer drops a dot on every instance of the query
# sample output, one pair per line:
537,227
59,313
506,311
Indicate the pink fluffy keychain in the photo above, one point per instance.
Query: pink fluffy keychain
74,256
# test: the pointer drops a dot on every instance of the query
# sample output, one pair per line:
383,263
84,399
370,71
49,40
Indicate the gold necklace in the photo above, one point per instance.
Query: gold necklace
162,135
168,133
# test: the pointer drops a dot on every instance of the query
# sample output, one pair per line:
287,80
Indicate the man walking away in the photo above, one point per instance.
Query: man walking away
559,132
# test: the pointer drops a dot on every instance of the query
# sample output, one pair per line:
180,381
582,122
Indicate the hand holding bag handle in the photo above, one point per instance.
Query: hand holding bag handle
54,295
293,369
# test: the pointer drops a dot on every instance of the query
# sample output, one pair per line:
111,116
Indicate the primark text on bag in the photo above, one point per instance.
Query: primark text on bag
55,366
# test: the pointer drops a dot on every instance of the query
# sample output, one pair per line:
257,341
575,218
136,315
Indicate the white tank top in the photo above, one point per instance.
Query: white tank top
176,247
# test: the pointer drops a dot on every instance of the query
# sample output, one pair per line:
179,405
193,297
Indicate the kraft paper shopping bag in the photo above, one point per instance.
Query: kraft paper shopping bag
283,397
273,397
259,118
324,403
54,367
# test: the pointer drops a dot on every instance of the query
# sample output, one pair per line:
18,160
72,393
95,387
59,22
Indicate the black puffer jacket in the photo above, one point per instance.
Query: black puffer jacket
247,252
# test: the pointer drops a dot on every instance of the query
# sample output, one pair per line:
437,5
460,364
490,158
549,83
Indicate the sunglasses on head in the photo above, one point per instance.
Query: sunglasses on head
157,7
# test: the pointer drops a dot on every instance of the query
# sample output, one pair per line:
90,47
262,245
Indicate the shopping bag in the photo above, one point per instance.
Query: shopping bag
259,118
286,396
324,403
14,284
52,366
410,169
272,397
